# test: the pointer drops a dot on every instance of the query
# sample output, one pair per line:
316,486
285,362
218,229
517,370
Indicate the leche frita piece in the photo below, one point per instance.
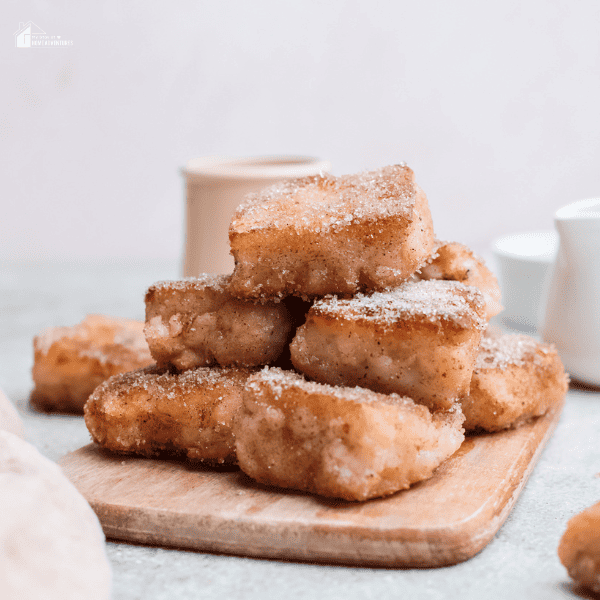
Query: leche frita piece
69,362
348,443
515,379
418,340
579,548
151,412
455,262
198,323
331,235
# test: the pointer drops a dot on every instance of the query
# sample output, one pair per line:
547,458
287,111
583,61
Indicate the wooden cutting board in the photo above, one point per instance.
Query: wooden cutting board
442,521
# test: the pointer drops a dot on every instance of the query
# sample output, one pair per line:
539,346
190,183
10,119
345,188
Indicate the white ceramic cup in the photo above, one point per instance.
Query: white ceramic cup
524,263
215,186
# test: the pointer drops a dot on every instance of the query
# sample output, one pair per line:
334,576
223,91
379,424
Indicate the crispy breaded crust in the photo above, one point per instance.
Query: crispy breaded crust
419,340
515,379
348,443
149,412
452,261
69,362
320,235
198,323
579,548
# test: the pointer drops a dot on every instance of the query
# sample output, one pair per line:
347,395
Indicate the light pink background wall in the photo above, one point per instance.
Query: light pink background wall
494,105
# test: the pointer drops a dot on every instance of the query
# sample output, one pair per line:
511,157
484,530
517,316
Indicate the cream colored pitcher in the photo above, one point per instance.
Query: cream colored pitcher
215,185
573,309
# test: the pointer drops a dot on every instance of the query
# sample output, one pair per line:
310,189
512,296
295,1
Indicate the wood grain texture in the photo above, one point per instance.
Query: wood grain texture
442,521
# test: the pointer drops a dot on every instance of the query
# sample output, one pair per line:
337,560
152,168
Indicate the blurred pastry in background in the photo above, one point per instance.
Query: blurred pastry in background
69,362
455,262
579,548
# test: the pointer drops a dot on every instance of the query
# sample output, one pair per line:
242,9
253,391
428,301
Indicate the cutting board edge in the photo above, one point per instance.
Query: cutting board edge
389,552
463,540
320,543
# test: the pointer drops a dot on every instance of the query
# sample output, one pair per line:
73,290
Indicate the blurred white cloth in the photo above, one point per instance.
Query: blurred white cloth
51,543
9,417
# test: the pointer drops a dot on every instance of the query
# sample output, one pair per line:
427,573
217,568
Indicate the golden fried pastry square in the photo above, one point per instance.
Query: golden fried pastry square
579,548
198,323
151,411
69,362
515,379
320,235
348,443
452,261
418,340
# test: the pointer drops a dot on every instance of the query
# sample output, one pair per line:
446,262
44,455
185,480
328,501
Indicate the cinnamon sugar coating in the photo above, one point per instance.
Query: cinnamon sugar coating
150,411
320,235
197,323
455,262
579,548
515,379
69,362
348,443
419,339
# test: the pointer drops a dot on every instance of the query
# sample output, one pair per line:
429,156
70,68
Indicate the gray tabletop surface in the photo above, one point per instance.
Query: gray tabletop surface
520,562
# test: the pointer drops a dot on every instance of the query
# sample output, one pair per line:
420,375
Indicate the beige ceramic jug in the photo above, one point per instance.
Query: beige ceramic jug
572,319
215,186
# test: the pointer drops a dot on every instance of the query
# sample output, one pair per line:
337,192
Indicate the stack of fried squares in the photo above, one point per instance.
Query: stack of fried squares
346,354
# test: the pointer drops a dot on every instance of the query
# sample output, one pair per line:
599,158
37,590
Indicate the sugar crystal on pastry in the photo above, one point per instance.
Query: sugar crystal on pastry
319,235
348,443
152,411
515,379
419,339
452,261
198,322
69,362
